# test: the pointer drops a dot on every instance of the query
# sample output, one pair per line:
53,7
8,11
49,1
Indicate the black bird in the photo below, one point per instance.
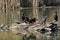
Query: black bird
33,20
56,17
23,17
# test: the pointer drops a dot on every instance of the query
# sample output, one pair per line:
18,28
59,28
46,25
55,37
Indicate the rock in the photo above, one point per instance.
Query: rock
4,27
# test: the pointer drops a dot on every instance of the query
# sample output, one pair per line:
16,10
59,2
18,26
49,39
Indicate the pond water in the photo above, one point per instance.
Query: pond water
39,13
13,15
52,36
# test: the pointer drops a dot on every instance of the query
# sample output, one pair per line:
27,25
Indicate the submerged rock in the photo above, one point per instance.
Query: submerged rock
4,27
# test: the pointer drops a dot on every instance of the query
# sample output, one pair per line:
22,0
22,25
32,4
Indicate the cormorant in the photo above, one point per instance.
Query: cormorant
56,17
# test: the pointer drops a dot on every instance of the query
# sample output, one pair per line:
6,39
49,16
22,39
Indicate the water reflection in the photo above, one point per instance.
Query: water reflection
33,12
50,36
40,12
